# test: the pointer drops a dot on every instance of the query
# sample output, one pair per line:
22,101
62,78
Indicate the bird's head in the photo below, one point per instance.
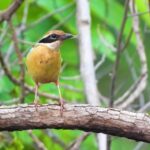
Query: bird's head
54,38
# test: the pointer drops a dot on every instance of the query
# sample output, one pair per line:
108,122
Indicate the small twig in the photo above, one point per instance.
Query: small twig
116,65
19,30
145,107
136,89
54,138
38,144
8,53
105,41
7,14
6,70
133,72
139,14
127,40
76,77
71,88
10,102
119,47
139,146
59,10
77,143
27,42
20,40
127,97
20,60
4,32
25,13
100,62
104,99
64,20
2,37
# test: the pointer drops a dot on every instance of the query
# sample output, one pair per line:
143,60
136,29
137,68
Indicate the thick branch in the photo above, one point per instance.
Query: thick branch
86,59
86,52
83,117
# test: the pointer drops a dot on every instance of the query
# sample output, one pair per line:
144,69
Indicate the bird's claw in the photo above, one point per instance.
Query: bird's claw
36,104
61,103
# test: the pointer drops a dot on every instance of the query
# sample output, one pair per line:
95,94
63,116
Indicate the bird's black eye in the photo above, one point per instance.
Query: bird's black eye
53,36
49,39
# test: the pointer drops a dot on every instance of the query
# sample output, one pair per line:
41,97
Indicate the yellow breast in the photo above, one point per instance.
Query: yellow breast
43,64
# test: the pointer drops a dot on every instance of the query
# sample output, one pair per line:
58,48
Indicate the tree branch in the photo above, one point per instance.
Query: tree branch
86,52
20,60
86,59
6,15
116,64
77,143
83,117
118,55
138,87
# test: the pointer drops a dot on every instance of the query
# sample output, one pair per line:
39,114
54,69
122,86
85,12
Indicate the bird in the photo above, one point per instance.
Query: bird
43,61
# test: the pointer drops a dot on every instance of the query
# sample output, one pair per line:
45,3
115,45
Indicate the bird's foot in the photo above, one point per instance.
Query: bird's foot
61,103
36,104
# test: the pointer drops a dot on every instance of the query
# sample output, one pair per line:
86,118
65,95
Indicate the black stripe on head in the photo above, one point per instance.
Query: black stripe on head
49,39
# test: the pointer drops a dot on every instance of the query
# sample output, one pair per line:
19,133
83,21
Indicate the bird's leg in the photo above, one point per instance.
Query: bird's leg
36,98
61,101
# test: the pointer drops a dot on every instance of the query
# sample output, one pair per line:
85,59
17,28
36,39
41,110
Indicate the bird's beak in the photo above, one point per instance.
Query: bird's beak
66,36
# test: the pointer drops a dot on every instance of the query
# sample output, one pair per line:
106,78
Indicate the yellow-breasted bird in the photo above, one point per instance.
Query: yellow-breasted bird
44,60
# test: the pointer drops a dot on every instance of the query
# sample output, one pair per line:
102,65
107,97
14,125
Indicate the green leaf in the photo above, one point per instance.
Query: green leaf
6,85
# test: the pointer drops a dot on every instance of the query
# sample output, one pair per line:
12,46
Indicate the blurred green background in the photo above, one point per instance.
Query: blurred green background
39,16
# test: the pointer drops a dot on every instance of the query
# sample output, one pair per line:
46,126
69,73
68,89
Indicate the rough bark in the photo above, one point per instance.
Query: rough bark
83,117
